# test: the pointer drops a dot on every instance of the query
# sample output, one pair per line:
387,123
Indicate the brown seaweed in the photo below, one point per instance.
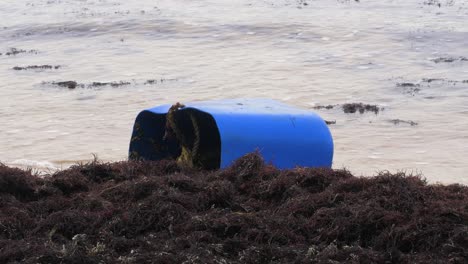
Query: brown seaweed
250,212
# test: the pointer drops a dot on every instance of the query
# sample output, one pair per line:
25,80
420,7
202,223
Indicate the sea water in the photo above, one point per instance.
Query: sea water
409,57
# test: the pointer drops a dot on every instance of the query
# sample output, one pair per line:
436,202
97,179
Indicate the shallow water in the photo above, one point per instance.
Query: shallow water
325,52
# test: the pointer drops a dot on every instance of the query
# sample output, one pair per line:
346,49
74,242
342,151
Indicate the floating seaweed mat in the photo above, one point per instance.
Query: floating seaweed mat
213,134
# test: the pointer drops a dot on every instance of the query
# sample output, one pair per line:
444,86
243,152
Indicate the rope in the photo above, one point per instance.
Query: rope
189,156
196,143
171,126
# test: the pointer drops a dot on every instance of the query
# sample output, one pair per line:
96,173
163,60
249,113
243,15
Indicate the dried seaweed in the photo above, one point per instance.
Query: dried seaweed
251,212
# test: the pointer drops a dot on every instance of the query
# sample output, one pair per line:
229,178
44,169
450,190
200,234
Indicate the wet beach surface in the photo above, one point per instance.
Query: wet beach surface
74,74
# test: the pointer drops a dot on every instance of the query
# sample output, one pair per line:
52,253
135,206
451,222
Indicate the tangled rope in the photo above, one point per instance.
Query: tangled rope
189,149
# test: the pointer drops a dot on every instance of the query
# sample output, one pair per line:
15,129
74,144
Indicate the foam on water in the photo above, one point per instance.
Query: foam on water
36,165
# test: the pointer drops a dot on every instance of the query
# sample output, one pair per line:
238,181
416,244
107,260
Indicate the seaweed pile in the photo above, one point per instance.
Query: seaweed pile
351,108
251,212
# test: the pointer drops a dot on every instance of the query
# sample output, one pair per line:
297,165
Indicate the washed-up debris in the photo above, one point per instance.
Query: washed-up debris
36,67
454,82
429,80
15,51
399,121
449,59
410,88
433,2
407,84
113,84
162,80
350,108
324,107
251,212
68,84
414,88
74,84
361,108
439,3
412,91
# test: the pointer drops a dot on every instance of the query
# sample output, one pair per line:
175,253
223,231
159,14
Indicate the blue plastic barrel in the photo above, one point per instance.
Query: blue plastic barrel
225,130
